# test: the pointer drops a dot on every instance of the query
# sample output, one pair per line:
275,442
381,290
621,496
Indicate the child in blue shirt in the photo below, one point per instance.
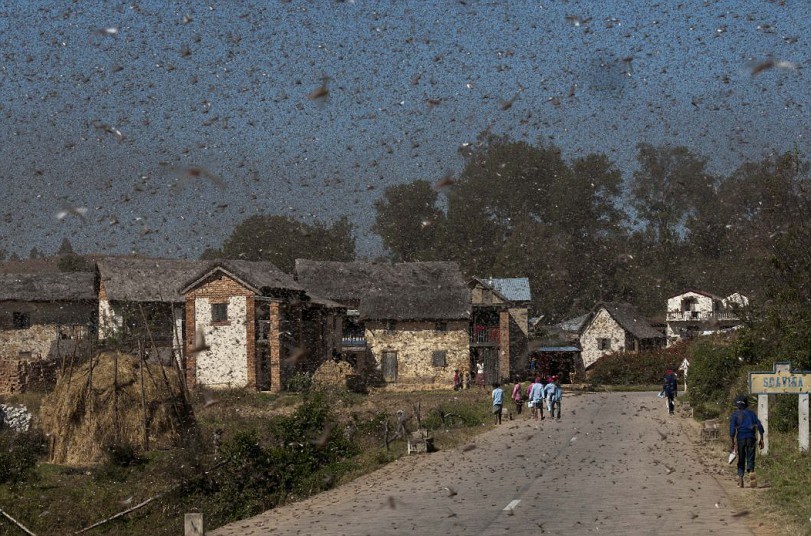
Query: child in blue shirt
498,402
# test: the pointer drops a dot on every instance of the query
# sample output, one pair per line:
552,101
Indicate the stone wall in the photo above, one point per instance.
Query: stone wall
41,341
415,343
602,326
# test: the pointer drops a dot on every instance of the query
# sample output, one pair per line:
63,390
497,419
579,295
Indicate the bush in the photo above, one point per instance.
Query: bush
307,453
647,367
19,452
713,377
299,382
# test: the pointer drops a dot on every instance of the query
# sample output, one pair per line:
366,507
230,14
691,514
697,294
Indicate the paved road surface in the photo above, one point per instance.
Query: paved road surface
615,464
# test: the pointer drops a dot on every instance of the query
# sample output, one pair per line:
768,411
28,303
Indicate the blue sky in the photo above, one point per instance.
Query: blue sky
225,86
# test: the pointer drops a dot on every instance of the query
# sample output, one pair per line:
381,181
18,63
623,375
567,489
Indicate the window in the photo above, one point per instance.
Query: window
219,312
439,358
21,320
603,343
441,326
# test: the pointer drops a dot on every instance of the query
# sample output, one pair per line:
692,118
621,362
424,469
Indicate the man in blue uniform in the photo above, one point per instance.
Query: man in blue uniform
670,386
743,428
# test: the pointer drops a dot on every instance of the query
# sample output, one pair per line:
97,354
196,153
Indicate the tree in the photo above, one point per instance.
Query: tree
407,221
34,253
281,240
666,188
65,248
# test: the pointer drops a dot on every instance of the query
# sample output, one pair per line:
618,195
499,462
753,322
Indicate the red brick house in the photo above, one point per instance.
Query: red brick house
248,324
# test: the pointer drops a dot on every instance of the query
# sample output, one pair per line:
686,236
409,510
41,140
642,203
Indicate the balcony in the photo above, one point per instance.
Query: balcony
353,341
484,335
701,316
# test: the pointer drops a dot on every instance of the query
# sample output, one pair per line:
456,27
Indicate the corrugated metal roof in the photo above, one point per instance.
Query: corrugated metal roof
574,324
514,288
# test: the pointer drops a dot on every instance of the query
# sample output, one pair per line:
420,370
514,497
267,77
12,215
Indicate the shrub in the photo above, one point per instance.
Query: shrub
647,367
714,371
307,453
19,452
299,382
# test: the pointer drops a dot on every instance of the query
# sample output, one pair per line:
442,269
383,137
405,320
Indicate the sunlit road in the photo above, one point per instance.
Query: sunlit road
615,464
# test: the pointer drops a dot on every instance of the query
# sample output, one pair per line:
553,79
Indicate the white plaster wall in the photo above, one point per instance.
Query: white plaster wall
736,299
703,303
225,364
109,321
601,327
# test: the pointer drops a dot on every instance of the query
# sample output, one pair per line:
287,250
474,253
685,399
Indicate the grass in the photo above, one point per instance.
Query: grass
63,499
789,473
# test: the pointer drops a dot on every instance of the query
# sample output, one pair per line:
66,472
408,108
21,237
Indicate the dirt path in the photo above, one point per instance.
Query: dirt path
615,464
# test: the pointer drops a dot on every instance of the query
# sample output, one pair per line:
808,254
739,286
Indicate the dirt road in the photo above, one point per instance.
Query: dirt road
615,464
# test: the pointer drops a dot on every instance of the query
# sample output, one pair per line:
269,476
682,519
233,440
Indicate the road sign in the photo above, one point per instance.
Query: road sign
783,381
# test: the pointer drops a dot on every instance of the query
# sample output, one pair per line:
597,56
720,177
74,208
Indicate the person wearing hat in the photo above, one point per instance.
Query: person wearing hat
743,428
670,386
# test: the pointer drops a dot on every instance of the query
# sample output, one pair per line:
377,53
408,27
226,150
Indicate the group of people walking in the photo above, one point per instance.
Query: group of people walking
538,394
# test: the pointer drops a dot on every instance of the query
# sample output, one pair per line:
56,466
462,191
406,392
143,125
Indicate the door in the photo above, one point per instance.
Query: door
390,366
490,356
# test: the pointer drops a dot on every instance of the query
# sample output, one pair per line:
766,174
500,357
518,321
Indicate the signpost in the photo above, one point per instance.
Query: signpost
782,381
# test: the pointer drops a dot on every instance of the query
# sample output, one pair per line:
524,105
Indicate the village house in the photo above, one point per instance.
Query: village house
695,312
248,324
139,301
616,327
45,318
499,330
407,323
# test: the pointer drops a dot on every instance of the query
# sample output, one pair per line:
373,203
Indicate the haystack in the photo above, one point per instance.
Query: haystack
333,375
104,403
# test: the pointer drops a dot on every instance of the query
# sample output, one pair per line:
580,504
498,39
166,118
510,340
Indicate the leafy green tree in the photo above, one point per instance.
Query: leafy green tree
281,240
665,189
407,221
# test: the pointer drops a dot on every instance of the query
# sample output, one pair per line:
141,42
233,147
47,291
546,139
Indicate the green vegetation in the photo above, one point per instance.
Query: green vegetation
644,368
789,475
253,451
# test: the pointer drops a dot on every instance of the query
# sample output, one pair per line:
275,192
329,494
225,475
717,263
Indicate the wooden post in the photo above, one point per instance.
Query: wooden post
143,397
763,415
803,415
193,524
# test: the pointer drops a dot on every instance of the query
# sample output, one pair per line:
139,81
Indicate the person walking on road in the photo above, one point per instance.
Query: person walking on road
536,398
744,426
498,402
553,393
517,396
670,386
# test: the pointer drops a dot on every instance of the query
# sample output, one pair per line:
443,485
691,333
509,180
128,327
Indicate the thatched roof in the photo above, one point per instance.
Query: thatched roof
43,287
400,291
255,275
147,280
627,316
417,303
